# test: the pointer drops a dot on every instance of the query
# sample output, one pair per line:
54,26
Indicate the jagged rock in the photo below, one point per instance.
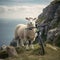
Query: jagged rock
49,12
53,35
3,47
55,22
11,51
13,43
51,17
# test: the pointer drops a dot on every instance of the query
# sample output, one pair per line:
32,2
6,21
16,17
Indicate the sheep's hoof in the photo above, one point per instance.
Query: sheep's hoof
27,48
32,47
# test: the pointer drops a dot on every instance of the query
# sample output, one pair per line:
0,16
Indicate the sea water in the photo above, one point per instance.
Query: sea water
7,28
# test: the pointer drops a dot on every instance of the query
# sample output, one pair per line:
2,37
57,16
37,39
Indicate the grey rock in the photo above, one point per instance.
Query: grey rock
53,35
51,17
13,43
3,47
11,51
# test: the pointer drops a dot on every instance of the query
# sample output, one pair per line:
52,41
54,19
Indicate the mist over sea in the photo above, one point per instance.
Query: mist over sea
7,27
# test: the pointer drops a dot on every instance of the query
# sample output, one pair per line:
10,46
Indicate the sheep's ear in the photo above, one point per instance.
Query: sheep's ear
34,19
27,18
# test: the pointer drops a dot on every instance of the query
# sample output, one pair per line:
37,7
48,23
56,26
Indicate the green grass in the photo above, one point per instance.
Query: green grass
34,54
3,54
20,50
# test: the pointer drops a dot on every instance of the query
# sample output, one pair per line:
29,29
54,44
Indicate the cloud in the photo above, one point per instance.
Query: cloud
20,11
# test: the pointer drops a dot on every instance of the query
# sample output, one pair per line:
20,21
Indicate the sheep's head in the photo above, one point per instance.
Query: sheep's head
31,21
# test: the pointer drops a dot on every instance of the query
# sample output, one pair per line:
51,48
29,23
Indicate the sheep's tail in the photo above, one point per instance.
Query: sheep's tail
16,34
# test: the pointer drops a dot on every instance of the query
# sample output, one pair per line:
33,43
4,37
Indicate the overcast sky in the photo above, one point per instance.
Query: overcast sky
19,9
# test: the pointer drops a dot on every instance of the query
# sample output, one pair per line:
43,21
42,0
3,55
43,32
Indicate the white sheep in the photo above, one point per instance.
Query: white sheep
26,35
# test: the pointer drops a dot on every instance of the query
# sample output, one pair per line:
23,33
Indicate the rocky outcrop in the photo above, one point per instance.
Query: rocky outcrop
53,36
3,47
11,51
13,43
8,51
51,17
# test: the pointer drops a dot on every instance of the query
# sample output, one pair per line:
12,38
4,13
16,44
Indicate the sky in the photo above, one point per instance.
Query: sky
19,9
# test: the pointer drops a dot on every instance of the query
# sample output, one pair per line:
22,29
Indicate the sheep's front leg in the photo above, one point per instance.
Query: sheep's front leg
27,43
17,43
31,45
22,42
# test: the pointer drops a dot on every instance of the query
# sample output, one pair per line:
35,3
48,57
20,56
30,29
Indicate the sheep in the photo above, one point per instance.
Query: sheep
26,35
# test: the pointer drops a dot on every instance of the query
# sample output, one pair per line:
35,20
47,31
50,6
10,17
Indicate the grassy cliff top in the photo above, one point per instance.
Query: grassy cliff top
34,54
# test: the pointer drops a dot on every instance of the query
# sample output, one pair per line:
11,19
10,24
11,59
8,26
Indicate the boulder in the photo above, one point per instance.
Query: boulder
53,35
13,43
3,47
11,51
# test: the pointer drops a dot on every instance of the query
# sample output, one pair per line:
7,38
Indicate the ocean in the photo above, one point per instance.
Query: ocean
7,28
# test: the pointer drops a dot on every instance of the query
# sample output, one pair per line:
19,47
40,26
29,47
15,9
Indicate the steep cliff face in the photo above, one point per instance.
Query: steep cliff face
51,17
